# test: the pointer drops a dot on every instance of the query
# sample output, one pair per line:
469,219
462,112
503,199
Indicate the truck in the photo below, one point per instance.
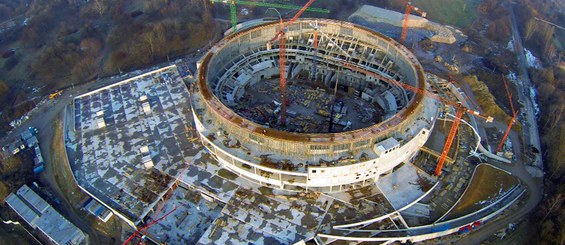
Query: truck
55,94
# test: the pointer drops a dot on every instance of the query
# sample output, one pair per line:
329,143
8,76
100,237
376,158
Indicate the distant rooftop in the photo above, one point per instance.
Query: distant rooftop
40,215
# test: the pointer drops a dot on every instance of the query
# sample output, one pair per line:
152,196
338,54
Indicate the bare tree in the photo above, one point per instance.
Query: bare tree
149,40
552,205
530,28
555,115
100,6
548,34
155,39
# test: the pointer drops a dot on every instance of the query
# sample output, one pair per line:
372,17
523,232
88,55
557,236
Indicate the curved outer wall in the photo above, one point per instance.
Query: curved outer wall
215,120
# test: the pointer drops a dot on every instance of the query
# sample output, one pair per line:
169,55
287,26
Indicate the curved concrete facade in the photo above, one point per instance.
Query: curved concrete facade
300,161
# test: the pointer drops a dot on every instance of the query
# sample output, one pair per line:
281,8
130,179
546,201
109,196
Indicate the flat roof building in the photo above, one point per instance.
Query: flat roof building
41,216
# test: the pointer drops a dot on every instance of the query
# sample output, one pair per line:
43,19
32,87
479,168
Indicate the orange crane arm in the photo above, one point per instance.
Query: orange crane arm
288,23
454,127
160,207
136,233
409,8
405,24
415,9
508,94
512,121
415,90
282,58
449,140
282,74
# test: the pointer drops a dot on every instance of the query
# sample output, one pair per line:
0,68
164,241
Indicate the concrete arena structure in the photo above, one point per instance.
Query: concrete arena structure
326,162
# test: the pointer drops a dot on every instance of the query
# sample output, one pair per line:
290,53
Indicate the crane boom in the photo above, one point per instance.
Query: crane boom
416,90
282,73
512,121
405,24
449,140
550,23
233,10
460,109
160,207
409,8
136,233
508,94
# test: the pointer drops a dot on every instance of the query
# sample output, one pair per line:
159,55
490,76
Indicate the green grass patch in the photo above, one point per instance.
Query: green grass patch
459,13
60,167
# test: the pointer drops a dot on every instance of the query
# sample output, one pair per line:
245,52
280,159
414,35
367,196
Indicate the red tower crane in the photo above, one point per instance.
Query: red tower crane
282,57
513,120
460,109
409,8
136,233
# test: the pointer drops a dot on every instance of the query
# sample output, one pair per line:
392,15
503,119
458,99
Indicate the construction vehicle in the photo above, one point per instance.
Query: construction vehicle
280,37
322,112
458,106
409,9
233,9
55,94
512,121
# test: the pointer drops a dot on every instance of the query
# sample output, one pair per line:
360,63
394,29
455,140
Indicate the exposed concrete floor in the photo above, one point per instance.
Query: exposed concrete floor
305,102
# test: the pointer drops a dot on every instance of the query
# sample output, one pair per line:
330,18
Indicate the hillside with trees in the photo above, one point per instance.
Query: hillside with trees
53,44
546,42
49,45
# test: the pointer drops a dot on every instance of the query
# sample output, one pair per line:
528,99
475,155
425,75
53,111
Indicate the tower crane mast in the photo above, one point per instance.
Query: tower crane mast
409,9
280,36
315,59
512,121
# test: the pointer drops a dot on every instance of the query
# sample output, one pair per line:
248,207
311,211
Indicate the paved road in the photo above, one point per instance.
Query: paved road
531,135
43,118
531,131
534,196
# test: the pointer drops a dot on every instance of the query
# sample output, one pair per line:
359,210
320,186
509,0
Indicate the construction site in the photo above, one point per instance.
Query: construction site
304,130
319,137
280,122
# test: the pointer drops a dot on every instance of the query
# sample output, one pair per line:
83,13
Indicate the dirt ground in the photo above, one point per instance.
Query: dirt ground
11,232
487,184
100,232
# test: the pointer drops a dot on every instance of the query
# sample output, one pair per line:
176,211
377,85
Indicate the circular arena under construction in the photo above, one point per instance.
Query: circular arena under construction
346,118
